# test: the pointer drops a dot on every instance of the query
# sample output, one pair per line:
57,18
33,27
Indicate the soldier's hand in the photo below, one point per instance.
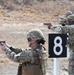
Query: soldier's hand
3,45
49,26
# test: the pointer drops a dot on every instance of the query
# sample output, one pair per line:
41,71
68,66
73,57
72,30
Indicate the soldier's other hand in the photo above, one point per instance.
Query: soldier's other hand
3,46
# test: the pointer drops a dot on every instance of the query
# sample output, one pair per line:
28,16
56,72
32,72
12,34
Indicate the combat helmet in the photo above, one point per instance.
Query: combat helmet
70,19
68,13
35,34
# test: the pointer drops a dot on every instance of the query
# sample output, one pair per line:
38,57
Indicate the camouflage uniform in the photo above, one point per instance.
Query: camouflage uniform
69,29
68,13
63,21
34,61
66,29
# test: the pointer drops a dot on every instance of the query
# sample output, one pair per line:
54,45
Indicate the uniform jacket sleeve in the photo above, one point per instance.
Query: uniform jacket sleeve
62,20
16,50
23,56
61,29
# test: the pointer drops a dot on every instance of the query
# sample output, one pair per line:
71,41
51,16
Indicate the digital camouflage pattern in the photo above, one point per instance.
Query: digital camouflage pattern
69,29
68,13
34,60
35,34
62,21
66,29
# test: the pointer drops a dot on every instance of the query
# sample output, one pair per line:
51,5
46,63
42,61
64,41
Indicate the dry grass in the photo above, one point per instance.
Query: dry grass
40,12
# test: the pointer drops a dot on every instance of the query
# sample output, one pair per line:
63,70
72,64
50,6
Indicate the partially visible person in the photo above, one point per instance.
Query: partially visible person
69,29
32,61
61,20
68,13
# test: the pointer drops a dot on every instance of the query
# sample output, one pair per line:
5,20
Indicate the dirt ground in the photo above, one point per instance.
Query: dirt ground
15,24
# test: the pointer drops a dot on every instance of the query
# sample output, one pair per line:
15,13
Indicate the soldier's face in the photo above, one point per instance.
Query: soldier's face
32,43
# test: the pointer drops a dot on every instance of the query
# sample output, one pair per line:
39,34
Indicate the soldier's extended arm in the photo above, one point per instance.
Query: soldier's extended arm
16,50
56,28
60,29
24,56
63,29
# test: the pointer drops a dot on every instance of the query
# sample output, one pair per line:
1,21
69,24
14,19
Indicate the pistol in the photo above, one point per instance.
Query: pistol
47,23
2,42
